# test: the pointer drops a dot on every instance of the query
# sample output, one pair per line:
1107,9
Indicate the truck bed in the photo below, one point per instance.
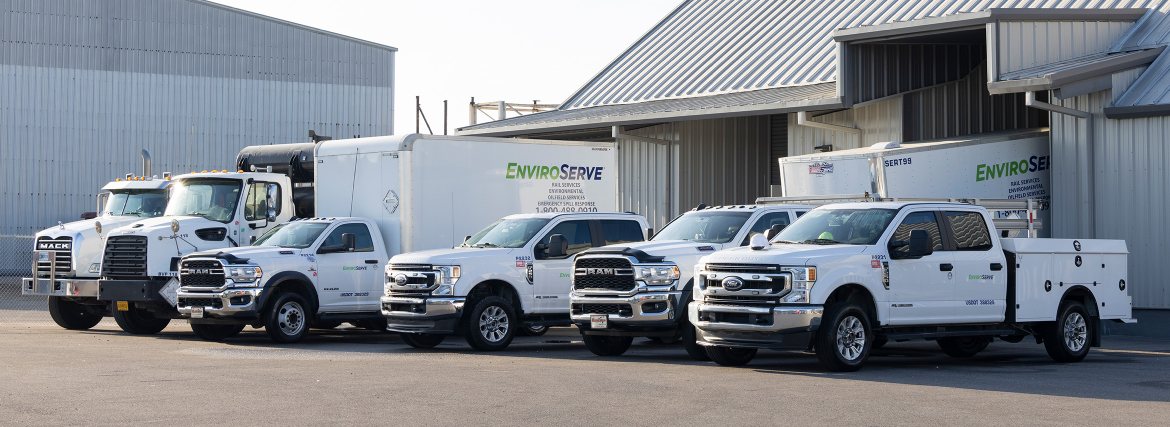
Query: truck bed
1041,271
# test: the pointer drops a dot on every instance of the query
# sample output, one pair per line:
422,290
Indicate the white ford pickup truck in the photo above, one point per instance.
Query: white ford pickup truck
846,276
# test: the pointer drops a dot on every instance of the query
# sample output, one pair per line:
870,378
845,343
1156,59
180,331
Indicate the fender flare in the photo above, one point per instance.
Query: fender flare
282,278
680,310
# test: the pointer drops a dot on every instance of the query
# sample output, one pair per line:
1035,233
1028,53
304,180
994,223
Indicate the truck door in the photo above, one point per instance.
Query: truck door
256,206
920,288
347,280
550,278
980,277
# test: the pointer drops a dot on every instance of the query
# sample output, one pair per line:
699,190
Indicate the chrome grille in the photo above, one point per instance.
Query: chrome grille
60,248
420,279
603,273
751,282
125,256
201,273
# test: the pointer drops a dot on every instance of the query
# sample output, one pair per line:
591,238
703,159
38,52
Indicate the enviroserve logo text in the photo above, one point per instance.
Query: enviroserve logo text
563,172
984,172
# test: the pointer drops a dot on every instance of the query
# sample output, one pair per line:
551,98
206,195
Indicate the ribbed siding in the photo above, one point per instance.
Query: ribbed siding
1028,44
778,145
964,107
879,121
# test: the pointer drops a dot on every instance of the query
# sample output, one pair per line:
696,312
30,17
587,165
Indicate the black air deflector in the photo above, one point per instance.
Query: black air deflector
637,254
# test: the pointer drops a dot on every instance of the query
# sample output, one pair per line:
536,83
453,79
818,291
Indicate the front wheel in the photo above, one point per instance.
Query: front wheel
422,340
216,332
1069,339
138,321
689,336
607,346
288,320
491,324
963,347
371,324
844,338
731,356
71,315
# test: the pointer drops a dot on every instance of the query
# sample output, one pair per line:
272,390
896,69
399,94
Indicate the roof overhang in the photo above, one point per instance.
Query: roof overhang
960,21
1074,77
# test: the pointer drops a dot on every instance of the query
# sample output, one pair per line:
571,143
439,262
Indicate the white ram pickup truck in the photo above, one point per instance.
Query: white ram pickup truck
641,289
316,272
514,273
846,276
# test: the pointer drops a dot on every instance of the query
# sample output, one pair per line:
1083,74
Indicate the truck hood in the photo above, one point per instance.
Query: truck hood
669,249
784,254
161,227
253,254
449,256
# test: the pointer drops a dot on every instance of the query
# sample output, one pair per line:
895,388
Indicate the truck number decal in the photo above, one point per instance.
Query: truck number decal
355,294
980,302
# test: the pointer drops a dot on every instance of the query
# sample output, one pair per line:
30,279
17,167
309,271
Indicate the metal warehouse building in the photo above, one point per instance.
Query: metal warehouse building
704,104
85,85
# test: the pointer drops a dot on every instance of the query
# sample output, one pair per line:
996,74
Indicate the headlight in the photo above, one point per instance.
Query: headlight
448,274
246,274
657,275
802,274
444,290
803,279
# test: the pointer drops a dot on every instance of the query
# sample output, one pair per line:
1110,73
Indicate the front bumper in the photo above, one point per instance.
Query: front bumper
236,303
776,327
144,290
424,315
648,311
59,287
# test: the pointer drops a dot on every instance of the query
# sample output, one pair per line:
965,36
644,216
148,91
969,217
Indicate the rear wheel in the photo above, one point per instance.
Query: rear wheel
491,324
216,332
138,321
963,347
844,338
731,356
71,315
288,320
422,340
607,346
1069,339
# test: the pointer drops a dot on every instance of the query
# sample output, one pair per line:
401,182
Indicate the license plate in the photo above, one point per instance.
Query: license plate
599,321
196,312
123,305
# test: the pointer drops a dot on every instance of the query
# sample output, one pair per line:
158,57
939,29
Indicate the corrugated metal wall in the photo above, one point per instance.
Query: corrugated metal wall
880,70
964,107
1031,43
879,121
717,162
86,85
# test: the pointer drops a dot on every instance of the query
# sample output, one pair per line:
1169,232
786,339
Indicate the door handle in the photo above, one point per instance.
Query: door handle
995,266
945,267
371,261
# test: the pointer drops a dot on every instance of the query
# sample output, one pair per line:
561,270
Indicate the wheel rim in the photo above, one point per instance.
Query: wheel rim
291,318
1076,331
493,324
537,329
850,338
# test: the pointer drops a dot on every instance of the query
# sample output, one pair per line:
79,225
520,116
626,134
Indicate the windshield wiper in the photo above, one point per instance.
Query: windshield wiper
822,242
785,241
201,215
485,245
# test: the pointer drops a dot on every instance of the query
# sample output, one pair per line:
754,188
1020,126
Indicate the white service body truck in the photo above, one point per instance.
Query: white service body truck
845,277
513,274
67,258
394,194
641,289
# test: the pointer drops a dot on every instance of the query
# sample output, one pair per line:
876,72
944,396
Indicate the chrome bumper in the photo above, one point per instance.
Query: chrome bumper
637,305
422,315
187,300
767,327
81,288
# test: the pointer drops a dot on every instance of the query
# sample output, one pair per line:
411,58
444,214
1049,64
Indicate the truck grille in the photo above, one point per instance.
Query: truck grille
618,309
603,273
751,277
411,287
125,256
201,274
201,302
61,248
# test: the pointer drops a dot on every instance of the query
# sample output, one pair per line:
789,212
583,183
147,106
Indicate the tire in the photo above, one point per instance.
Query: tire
1070,337
288,319
844,339
963,347
696,351
325,325
731,356
422,340
71,315
378,325
491,324
607,346
533,331
216,332
139,322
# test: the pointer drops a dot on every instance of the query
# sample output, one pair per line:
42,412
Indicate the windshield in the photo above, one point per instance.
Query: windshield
704,227
139,203
838,226
507,233
297,235
214,199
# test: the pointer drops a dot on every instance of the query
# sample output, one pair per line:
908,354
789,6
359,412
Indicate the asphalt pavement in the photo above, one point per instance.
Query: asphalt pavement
49,376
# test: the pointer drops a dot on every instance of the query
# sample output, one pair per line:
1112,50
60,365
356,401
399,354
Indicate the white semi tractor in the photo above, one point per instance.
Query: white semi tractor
375,198
67,258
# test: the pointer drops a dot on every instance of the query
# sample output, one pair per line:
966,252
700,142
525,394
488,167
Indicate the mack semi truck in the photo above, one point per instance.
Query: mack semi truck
67,258
641,289
846,276
376,198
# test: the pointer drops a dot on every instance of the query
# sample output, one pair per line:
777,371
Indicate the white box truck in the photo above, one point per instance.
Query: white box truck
375,198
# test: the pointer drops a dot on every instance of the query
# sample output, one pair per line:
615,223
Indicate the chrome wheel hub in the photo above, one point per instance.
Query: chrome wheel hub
291,318
850,338
1076,332
493,324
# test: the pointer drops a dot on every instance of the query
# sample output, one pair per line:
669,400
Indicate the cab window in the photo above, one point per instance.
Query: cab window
256,204
621,231
576,233
969,231
766,222
919,221
361,234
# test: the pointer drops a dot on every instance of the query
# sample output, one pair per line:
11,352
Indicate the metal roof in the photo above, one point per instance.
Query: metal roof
1060,73
1148,96
293,24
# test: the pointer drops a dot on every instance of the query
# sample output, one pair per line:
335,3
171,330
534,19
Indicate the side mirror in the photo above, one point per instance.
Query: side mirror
649,233
918,246
773,231
273,192
558,247
466,238
252,240
348,242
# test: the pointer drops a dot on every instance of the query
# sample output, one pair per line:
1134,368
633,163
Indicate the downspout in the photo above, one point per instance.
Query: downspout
1091,197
